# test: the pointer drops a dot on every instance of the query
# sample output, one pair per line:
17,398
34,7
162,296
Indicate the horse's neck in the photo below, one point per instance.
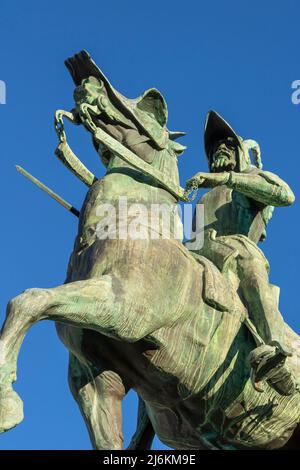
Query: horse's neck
125,196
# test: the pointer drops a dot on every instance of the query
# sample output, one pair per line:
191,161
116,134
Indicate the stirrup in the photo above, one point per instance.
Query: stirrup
268,364
283,349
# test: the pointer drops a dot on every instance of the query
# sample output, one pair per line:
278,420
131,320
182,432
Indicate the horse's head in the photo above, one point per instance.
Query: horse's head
139,124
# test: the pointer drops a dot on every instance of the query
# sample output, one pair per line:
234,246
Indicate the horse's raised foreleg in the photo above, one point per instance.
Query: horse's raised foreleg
99,395
99,304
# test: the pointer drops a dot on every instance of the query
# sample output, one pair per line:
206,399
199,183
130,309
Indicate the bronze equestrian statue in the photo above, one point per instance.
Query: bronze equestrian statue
196,332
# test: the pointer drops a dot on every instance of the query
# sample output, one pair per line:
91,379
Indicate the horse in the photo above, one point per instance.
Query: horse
141,313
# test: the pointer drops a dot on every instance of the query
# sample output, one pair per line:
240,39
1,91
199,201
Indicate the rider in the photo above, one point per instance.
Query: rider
237,211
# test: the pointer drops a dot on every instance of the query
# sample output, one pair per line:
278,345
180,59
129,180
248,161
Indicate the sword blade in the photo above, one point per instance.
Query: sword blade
49,191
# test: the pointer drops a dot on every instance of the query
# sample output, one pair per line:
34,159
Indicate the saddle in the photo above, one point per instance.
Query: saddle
217,290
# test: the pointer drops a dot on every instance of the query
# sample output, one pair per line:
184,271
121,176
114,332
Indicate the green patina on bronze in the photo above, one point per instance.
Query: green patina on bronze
196,333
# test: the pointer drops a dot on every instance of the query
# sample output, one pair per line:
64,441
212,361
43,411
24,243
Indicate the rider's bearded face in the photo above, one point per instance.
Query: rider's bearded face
223,156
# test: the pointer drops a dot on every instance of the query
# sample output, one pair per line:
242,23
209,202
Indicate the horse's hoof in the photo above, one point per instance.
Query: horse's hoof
11,410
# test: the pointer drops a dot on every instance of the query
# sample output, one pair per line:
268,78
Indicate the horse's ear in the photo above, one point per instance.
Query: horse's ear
174,135
153,103
175,146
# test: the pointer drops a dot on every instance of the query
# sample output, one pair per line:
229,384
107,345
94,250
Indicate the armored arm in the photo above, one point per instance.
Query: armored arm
263,186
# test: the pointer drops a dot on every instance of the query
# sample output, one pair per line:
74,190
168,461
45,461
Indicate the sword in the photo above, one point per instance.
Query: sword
49,191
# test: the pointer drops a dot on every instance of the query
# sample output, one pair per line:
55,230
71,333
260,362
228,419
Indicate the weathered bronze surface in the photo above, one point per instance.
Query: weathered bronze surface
195,332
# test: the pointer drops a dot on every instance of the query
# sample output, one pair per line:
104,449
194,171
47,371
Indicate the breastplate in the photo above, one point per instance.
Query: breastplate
230,213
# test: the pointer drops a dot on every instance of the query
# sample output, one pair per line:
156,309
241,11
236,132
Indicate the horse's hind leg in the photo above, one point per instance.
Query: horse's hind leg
99,304
144,435
99,395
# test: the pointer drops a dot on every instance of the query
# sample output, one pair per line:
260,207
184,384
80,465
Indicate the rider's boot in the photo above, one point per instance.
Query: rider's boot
268,363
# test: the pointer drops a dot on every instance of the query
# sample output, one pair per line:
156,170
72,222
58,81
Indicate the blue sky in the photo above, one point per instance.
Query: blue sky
238,58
